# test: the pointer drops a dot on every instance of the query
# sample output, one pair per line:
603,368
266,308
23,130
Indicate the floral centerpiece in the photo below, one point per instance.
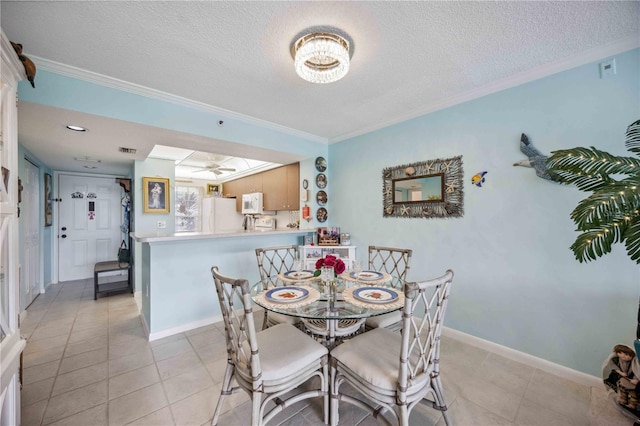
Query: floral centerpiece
330,260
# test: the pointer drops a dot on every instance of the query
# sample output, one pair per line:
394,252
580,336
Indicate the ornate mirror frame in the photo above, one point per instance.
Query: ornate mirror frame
452,189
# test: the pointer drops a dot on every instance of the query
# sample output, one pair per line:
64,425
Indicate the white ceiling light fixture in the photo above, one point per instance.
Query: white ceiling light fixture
77,128
321,57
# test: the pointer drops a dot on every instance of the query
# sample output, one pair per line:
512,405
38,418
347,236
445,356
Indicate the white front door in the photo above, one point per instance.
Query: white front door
30,219
89,226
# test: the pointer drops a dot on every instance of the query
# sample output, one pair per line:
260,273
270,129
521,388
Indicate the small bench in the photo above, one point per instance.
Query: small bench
110,266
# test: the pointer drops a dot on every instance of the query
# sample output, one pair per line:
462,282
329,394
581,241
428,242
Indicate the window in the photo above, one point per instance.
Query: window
188,208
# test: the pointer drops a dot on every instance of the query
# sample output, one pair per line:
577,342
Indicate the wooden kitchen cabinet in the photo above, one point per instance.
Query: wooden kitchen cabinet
281,188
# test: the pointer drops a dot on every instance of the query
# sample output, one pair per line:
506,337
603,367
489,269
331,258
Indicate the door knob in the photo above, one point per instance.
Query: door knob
64,235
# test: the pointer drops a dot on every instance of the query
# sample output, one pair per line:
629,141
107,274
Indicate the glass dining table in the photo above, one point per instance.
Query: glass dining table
348,297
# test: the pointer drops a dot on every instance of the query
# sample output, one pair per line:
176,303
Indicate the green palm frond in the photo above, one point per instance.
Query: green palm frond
632,241
633,138
611,214
607,205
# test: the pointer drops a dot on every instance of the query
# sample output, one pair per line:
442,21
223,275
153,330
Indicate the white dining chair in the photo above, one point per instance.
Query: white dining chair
271,262
396,371
395,262
270,364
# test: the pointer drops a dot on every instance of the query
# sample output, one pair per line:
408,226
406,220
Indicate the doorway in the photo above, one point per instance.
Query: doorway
89,222
30,283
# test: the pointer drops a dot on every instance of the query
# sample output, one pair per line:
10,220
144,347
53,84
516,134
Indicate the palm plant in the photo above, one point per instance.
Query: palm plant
611,214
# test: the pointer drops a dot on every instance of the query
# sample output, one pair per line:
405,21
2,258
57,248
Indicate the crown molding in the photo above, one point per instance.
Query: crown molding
125,86
546,70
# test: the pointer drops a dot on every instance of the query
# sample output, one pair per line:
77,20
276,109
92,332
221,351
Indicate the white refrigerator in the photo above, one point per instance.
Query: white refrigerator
219,215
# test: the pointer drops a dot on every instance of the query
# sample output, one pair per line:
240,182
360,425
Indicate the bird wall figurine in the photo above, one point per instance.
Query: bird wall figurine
535,160
29,66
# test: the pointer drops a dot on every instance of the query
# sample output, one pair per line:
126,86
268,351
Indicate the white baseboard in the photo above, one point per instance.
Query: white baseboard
525,358
181,329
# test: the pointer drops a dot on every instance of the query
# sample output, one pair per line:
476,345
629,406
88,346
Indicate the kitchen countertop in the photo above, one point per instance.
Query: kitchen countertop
152,237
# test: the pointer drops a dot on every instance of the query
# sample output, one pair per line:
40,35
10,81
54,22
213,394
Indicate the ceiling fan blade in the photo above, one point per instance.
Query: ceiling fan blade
216,172
225,169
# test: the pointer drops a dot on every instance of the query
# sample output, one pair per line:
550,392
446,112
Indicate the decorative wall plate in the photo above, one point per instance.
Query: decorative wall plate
322,214
321,164
321,198
321,181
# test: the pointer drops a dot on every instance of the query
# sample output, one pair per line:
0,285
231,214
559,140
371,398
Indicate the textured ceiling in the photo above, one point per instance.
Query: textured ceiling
408,58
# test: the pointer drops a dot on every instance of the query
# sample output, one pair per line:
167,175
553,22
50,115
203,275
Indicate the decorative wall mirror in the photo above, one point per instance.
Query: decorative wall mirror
426,189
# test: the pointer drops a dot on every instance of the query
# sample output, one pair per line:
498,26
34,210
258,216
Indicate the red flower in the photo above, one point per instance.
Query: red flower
330,260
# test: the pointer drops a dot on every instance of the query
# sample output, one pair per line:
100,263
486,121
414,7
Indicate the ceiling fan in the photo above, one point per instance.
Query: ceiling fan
216,168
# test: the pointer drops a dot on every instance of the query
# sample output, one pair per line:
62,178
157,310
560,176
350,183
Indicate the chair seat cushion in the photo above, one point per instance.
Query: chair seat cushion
374,357
384,320
285,351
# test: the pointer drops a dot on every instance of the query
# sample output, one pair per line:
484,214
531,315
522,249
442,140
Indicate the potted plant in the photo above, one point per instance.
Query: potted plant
611,212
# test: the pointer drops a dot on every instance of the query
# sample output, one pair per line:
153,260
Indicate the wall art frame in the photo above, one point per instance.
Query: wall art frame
448,203
155,195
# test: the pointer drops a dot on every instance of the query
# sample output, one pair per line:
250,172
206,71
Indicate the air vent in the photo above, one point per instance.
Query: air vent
127,150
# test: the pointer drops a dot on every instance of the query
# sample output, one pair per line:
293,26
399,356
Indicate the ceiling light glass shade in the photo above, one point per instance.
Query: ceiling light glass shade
321,57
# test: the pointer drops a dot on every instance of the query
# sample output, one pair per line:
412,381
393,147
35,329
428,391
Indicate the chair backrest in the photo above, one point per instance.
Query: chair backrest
242,344
394,261
423,314
273,260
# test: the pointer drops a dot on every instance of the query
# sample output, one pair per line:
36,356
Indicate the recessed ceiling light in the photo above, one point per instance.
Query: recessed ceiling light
76,128
90,167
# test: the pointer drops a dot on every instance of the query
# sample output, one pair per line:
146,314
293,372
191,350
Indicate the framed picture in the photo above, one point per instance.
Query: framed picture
48,200
212,189
155,195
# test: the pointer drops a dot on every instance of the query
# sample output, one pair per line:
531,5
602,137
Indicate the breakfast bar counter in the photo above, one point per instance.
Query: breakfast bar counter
173,273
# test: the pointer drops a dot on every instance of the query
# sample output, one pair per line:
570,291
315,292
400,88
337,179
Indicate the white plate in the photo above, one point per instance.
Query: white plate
375,294
295,275
366,275
287,294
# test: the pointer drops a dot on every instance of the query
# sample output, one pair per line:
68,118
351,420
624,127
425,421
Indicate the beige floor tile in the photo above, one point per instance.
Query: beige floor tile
168,339
184,385
31,415
42,357
171,349
96,416
89,323
206,338
560,395
79,378
493,398
531,414
161,417
37,391
196,409
91,344
85,359
47,332
45,344
75,401
178,365
135,405
127,348
130,362
40,372
505,373
212,352
89,333
132,334
132,381
465,412
201,329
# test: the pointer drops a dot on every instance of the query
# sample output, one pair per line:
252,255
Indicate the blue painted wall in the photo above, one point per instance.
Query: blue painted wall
516,281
